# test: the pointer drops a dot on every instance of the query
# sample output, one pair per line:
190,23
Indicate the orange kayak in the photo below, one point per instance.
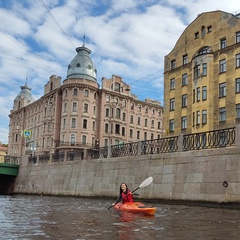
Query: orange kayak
135,207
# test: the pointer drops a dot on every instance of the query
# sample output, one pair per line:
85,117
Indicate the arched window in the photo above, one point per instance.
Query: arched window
75,92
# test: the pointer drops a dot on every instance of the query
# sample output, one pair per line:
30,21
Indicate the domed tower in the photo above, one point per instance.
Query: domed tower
23,98
80,96
82,66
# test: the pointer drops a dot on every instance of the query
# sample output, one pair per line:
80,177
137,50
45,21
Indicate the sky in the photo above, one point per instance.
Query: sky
128,38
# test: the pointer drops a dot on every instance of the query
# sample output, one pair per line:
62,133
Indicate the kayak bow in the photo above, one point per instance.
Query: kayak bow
135,207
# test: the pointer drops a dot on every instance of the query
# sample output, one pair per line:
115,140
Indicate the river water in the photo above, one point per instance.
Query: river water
42,217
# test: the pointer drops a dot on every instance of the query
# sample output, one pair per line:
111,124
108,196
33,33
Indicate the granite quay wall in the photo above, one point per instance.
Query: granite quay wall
199,175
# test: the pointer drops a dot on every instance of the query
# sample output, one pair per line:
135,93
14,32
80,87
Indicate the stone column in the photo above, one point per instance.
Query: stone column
237,136
180,143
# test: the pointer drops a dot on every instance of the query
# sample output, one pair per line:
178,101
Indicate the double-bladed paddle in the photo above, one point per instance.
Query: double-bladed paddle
145,183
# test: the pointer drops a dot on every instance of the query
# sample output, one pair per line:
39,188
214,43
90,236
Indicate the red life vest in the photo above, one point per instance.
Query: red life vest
127,197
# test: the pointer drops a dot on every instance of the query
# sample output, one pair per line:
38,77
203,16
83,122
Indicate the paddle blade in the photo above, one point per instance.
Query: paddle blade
146,182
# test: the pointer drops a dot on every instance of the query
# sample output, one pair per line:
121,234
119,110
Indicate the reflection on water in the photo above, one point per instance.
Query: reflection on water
36,217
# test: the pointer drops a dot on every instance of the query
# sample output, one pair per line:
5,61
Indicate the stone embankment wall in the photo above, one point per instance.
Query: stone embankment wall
205,175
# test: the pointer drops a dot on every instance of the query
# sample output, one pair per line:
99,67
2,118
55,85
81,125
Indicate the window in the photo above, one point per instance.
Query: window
86,93
222,66
153,111
184,79
146,122
159,125
74,120
117,87
198,118
124,117
223,43
184,122
131,133
209,28
193,119
118,113
75,92
152,124
107,112
64,108
173,64
106,127
193,96
237,37
203,31
204,116
85,107
222,114
204,69
73,139
171,125
64,122
107,98
185,59
84,139
123,131
237,60
152,136
196,35
138,134
131,119
237,84
117,128
145,135
172,104
237,110
94,125
66,93
94,110
172,83
198,94
139,121
85,123
132,106
184,100
74,107
139,108
222,90
204,93
196,71
146,109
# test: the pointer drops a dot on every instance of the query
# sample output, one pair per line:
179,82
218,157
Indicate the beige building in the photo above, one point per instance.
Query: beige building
202,76
3,152
77,114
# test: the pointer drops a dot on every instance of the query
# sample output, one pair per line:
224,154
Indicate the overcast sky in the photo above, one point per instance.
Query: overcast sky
128,38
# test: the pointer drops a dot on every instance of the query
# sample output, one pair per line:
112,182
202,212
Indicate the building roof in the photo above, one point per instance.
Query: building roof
25,93
82,65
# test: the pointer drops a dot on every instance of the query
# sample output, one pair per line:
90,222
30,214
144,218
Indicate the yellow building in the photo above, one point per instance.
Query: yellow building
77,115
202,76
3,153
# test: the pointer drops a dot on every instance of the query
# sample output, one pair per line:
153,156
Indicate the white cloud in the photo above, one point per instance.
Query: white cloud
129,38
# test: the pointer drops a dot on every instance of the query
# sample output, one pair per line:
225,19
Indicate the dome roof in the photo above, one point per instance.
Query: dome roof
82,66
25,94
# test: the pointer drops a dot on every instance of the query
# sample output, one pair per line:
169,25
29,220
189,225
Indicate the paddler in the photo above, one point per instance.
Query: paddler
125,195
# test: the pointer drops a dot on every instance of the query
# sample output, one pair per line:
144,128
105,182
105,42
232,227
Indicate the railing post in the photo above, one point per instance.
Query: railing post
180,143
139,148
109,151
237,132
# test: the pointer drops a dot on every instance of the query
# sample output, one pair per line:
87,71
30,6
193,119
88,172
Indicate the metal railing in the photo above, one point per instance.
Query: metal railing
211,139
162,145
196,141
123,150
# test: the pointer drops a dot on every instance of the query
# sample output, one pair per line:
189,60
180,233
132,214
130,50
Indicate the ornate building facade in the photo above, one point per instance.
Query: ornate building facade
202,76
78,115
